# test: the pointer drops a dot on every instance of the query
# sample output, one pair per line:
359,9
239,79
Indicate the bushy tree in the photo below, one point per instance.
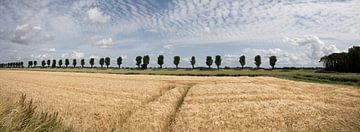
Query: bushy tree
176,61
257,61
35,63
74,62
160,60
193,61
272,60
82,62
209,61
53,63
60,63
138,61
218,61
107,62
119,61
48,63
30,63
102,62
67,62
242,61
43,63
146,61
92,62
354,59
22,64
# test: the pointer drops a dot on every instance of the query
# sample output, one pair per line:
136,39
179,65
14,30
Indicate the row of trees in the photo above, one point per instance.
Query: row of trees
343,62
141,61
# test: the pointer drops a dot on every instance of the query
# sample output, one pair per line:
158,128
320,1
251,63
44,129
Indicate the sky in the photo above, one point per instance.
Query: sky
298,32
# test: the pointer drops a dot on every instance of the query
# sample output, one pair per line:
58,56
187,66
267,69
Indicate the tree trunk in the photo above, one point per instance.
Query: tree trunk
176,66
192,66
218,67
160,66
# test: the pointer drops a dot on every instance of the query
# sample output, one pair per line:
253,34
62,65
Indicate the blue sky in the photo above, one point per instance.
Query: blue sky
298,32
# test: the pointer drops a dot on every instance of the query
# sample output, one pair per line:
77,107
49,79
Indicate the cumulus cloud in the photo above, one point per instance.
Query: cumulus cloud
94,15
315,47
105,42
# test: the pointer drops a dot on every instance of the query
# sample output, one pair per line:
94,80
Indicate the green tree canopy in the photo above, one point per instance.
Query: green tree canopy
209,61
67,62
193,61
272,60
176,61
102,62
138,61
92,62
218,61
119,61
146,61
242,61
107,62
60,63
82,62
74,62
160,60
257,61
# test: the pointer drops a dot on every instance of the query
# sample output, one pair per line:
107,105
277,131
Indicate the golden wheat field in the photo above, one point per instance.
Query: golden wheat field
108,102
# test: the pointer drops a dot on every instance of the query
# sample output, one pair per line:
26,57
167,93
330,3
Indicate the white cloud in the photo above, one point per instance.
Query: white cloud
73,55
96,16
105,43
51,50
315,47
26,34
168,46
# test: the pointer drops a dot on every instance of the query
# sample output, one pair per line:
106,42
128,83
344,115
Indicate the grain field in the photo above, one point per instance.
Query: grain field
107,102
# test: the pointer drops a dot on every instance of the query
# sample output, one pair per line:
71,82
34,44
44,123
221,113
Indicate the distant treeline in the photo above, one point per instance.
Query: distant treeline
141,62
343,62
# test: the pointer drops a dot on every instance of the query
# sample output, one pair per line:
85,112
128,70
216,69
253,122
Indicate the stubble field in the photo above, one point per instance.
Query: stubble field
105,102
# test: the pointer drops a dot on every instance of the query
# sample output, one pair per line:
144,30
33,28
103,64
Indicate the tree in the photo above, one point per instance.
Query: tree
53,63
146,61
218,61
107,62
354,57
43,63
22,64
102,61
92,62
82,62
138,61
67,62
119,61
160,60
242,61
257,61
35,63
48,63
176,61
30,63
209,61
74,62
193,61
272,60
60,63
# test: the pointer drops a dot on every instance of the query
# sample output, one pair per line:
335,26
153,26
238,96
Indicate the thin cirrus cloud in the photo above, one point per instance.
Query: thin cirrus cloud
180,27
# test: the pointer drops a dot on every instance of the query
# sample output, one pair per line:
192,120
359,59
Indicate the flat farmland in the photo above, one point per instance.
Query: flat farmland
108,102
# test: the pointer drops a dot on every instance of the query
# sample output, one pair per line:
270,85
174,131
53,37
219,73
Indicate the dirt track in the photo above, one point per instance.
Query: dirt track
105,102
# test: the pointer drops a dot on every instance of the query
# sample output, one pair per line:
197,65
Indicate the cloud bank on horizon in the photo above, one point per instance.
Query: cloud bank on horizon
298,32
